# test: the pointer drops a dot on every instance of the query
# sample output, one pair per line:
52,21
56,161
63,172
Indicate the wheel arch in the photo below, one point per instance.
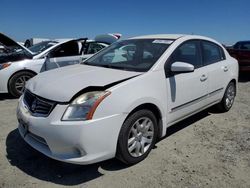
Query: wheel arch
235,83
23,70
156,111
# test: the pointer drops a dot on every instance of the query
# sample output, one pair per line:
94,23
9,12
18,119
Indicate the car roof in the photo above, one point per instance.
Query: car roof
172,36
160,36
176,36
243,41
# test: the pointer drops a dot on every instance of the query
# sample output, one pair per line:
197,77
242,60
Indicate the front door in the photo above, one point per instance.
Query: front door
64,55
186,92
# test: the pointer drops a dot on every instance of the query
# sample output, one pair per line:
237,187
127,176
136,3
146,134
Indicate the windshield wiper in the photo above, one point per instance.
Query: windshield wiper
106,66
113,66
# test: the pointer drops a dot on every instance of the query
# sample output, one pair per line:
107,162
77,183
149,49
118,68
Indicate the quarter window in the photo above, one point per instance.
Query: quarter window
211,53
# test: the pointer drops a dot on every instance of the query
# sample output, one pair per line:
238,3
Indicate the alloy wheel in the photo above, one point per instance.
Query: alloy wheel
140,137
20,83
230,95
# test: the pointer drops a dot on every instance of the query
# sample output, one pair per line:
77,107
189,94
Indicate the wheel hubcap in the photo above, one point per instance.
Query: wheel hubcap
20,83
140,137
230,96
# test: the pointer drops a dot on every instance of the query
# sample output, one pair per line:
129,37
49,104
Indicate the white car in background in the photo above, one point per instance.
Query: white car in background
119,104
18,64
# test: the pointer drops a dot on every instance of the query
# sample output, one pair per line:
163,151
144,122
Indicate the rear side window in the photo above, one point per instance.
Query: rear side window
211,53
187,52
94,48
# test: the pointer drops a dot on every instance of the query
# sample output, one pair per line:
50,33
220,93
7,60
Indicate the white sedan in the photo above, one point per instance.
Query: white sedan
18,64
119,104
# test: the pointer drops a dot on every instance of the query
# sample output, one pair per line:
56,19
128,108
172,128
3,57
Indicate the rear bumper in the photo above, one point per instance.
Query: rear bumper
79,142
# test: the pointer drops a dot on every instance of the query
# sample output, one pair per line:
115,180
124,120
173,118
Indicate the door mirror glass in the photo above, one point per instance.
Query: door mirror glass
182,67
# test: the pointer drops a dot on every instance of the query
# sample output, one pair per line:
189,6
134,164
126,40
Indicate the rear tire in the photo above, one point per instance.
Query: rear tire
137,137
228,98
18,81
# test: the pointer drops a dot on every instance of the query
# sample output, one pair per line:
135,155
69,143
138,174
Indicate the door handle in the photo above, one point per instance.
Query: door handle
203,78
225,69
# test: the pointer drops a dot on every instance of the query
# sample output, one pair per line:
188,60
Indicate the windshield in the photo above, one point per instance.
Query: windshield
131,55
40,47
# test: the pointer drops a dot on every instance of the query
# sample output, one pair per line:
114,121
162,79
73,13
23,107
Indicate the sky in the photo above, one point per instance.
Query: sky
224,20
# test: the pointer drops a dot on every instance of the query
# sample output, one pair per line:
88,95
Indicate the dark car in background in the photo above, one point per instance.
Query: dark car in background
241,51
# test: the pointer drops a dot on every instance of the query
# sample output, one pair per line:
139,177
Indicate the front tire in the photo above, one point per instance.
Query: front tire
228,98
18,81
137,137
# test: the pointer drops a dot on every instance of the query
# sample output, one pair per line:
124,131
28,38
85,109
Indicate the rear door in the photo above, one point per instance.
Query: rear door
186,92
215,62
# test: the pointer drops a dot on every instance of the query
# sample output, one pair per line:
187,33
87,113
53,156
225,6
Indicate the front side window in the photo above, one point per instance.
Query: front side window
188,52
211,53
132,55
67,49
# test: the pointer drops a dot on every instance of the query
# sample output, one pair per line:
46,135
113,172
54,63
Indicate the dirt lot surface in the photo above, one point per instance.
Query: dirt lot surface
207,150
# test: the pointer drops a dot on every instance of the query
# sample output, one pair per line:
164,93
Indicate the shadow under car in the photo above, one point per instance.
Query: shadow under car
39,166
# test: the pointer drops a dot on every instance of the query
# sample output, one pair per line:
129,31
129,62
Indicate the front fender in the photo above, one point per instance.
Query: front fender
126,96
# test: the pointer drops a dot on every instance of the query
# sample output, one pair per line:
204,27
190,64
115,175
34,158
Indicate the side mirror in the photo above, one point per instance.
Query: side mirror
182,67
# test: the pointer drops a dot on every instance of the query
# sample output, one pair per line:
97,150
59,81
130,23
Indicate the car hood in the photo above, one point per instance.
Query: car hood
62,84
8,43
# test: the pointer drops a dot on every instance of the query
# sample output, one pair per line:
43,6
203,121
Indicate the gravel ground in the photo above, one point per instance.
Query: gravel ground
207,150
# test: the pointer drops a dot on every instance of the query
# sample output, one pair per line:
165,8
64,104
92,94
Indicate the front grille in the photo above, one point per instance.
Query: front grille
38,106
